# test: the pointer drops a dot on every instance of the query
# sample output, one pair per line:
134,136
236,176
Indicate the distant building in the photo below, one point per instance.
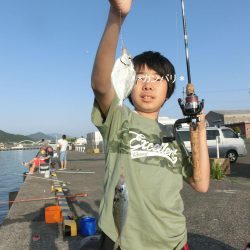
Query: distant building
94,142
166,120
239,119
243,127
94,138
81,141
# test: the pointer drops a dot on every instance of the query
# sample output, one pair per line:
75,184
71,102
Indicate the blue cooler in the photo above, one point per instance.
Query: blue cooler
87,226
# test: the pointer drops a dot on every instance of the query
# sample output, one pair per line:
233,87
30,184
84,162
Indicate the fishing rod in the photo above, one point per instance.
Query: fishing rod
190,106
185,41
46,179
45,198
75,172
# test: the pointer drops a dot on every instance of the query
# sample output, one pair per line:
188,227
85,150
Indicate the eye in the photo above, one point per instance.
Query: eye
157,78
141,78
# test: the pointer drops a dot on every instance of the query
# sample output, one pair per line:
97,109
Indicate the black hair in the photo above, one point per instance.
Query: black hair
159,63
64,137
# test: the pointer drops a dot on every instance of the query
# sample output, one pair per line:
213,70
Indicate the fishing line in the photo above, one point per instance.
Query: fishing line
121,31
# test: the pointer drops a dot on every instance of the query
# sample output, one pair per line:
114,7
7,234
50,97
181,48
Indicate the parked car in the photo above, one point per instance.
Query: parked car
230,144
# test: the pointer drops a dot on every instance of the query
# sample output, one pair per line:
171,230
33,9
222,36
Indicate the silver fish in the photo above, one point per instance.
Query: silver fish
120,207
123,76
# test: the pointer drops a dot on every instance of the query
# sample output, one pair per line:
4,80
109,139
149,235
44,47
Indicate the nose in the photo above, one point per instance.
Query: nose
147,86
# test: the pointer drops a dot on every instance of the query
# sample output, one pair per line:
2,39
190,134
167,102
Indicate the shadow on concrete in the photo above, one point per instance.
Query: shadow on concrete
42,235
240,170
81,242
87,159
201,242
81,205
195,242
86,208
48,233
91,243
37,216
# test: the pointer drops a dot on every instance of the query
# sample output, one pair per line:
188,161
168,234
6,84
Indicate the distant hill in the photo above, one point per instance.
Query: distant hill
39,136
6,137
56,136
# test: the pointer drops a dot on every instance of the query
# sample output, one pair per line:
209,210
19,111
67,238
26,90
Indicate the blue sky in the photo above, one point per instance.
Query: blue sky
47,49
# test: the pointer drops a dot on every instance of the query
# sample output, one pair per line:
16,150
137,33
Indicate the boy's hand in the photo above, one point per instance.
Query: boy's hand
120,6
202,122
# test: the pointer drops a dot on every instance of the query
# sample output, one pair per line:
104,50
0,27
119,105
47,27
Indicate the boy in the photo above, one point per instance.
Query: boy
134,144
62,147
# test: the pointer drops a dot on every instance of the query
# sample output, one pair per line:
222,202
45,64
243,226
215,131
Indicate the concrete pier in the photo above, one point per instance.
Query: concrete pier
218,219
25,220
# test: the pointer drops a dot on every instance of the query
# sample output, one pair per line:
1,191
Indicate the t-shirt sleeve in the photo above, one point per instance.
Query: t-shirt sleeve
104,123
187,170
187,163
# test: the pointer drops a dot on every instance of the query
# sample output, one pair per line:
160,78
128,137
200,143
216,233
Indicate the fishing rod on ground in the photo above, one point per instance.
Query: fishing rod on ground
43,178
45,198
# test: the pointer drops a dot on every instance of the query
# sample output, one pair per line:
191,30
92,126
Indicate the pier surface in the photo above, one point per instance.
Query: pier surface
218,219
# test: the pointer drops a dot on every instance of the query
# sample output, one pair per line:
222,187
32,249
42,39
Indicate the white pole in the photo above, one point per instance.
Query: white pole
217,146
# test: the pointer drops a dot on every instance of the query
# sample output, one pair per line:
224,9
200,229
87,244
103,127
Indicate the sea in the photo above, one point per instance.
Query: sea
11,175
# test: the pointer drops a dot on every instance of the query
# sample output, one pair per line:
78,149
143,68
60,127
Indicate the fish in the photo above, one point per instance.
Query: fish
123,76
120,208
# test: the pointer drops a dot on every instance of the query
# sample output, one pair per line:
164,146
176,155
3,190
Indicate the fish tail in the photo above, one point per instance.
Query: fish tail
117,243
122,170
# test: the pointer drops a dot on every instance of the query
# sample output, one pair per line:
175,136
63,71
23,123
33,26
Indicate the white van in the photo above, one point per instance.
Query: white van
231,145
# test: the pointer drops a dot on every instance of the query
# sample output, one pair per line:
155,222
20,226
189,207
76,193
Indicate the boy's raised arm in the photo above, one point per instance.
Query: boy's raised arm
105,56
202,184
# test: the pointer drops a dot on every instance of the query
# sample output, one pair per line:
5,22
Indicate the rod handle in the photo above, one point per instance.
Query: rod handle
195,148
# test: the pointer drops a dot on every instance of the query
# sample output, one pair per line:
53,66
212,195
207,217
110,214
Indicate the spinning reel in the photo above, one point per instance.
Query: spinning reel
191,107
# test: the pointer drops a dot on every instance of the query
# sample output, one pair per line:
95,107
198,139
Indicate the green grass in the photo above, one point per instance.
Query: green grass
217,172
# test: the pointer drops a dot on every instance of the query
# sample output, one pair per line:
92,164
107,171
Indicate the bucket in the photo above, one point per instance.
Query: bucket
46,174
43,168
53,214
87,226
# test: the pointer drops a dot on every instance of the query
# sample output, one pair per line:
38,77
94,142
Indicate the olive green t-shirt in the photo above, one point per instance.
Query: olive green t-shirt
154,172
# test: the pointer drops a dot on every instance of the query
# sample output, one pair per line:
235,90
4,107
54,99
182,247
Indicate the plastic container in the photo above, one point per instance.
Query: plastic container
46,174
53,214
43,168
87,226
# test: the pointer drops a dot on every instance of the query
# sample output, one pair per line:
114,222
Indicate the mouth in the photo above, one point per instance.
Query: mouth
147,98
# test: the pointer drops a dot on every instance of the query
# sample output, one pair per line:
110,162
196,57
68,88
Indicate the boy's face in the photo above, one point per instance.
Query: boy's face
149,92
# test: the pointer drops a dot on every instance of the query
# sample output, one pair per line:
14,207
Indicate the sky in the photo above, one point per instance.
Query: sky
47,50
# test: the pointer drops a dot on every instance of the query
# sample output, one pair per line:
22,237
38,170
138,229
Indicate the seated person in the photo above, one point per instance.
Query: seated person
50,151
53,156
41,158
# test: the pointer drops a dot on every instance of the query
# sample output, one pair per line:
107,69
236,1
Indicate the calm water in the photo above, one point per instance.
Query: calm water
11,175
